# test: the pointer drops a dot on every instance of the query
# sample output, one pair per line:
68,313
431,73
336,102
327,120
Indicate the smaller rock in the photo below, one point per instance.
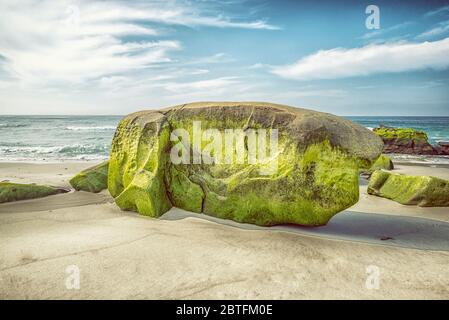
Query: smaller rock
383,162
93,179
404,140
18,191
424,191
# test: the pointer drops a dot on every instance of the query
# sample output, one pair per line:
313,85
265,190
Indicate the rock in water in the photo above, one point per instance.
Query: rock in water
404,140
423,191
19,191
315,165
93,179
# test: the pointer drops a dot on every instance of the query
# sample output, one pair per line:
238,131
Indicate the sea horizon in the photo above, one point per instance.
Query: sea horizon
59,138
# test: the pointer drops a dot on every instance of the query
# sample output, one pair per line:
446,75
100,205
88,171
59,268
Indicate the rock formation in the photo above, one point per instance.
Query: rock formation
93,179
383,162
316,164
423,191
408,141
18,191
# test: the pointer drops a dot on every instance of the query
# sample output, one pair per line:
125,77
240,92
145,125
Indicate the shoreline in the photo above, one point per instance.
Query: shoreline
52,161
421,164
402,159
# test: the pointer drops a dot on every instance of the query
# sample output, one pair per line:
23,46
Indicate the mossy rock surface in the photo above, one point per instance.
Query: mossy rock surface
401,133
92,179
382,163
423,191
404,140
318,159
18,191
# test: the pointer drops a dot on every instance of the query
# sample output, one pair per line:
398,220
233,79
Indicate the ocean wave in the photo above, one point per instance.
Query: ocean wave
416,158
8,149
75,149
13,125
84,149
97,128
50,159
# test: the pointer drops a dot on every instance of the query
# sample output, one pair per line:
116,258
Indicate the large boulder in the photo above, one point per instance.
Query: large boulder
19,191
311,176
404,140
423,191
93,179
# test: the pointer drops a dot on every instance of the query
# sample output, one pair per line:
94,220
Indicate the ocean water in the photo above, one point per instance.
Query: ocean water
81,138
437,128
55,138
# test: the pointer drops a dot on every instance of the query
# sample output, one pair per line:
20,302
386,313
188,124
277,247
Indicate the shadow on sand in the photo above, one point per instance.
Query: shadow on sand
382,229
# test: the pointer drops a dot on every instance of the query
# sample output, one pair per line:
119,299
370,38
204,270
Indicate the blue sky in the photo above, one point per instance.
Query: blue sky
116,57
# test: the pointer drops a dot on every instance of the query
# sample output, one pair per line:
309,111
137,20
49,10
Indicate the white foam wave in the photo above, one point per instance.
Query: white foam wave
67,149
424,159
95,128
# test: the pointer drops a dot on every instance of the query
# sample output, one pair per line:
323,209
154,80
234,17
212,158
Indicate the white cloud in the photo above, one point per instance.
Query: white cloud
258,65
217,58
439,29
48,42
170,13
371,59
210,84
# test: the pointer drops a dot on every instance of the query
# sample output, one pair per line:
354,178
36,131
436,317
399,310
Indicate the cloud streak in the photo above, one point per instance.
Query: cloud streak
440,10
48,42
440,29
367,60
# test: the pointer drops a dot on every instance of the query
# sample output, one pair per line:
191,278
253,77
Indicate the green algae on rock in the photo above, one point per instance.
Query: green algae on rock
424,191
92,179
404,140
18,191
317,160
383,162
401,133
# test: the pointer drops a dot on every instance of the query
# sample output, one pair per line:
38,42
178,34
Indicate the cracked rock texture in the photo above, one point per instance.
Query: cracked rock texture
318,159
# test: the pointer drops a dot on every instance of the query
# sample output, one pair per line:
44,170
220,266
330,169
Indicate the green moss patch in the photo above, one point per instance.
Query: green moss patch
139,156
382,163
401,133
17,191
423,191
93,179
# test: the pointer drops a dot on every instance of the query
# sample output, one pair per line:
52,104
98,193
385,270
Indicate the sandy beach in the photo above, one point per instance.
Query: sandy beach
184,255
